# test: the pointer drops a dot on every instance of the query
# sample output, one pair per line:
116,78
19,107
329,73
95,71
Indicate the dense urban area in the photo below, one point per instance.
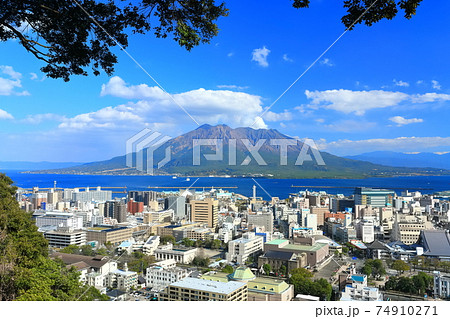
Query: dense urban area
213,244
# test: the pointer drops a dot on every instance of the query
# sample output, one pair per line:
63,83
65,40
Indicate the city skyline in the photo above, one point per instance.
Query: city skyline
382,87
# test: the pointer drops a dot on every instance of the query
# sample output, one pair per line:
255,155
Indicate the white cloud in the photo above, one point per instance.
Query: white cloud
5,115
9,85
358,102
232,87
230,54
400,83
350,126
399,120
260,56
277,117
435,85
8,70
153,105
286,58
327,62
39,118
399,144
33,76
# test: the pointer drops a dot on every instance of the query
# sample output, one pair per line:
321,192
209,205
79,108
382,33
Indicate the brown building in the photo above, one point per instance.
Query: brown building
109,234
135,207
276,259
320,212
205,211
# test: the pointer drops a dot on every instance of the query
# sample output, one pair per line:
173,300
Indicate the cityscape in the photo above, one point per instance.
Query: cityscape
288,151
213,244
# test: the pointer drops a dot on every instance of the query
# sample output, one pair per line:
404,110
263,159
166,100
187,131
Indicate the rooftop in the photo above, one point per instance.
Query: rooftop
207,285
436,243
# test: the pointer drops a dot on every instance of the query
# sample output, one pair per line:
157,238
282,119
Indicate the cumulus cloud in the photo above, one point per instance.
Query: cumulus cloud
399,144
260,56
435,85
400,121
276,117
154,105
400,83
358,102
5,115
9,84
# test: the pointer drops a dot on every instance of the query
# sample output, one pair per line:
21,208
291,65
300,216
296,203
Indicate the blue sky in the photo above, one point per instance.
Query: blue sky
384,87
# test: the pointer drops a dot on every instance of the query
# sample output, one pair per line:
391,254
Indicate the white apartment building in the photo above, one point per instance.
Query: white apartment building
240,249
441,285
162,274
359,291
63,237
121,279
59,219
180,255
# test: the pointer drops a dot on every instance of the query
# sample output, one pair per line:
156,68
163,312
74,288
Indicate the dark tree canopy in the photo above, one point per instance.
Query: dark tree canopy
381,9
62,35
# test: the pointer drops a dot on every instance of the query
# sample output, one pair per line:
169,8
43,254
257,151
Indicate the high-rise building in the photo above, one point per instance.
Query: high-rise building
88,195
135,207
120,212
143,196
261,220
373,196
178,204
205,211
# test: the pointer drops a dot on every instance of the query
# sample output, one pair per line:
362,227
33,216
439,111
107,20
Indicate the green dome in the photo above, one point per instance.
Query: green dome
242,273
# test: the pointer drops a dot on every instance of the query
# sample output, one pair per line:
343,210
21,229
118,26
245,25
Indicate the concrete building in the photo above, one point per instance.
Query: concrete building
276,259
359,291
194,289
441,287
180,255
135,207
151,245
121,279
261,220
248,245
316,252
259,288
158,217
407,228
366,231
178,205
59,219
104,234
63,237
89,196
320,212
205,211
162,274
373,196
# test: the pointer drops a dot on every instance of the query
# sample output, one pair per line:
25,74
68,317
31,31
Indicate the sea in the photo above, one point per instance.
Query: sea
265,187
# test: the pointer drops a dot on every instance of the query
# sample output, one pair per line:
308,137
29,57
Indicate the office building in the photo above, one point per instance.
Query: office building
261,220
441,286
63,237
239,250
89,195
373,196
205,211
162,274
178,205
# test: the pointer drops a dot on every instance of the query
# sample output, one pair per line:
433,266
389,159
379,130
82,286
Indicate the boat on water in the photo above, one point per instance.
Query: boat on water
188,179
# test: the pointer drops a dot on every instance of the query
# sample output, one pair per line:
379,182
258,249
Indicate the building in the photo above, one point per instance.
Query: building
38,200
316,252
436,244
180,255
178,205
373,196
205,211
194,289
239,250
320,212
135,207
162,274
259,288
91,196
441,287
158,217
143,196
63,237
261,220
120,212
59,219
104,234
359,291
121,279
366,231
151,245
407,228
277,259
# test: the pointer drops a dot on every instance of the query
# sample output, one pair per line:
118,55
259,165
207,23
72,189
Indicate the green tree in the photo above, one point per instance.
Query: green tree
228,269
167,239
267,269
377,10
26,271
187,242
87,250
71,249
283,270
64,37
400,266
